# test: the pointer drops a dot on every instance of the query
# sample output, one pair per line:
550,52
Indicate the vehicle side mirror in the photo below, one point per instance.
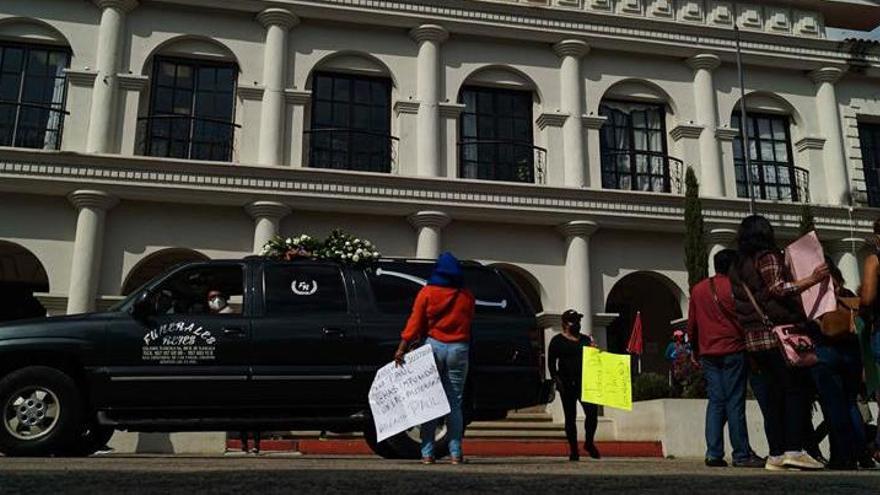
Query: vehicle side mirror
143,305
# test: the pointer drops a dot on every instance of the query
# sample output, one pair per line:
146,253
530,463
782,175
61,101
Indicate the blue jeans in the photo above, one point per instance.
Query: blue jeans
837,376
726,385
452,363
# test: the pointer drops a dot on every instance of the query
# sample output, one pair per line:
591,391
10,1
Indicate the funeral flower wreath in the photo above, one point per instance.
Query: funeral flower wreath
338,246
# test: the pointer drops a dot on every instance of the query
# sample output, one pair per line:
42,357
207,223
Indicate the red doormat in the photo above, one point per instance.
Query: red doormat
476,447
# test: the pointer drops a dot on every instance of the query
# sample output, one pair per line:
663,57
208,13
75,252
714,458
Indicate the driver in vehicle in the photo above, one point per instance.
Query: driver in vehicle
218,303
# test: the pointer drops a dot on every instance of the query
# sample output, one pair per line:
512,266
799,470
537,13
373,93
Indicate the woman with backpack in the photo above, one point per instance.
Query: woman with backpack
766,296
441,316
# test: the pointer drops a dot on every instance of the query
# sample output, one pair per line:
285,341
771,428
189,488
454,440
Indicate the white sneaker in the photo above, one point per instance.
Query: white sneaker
801,460
775,463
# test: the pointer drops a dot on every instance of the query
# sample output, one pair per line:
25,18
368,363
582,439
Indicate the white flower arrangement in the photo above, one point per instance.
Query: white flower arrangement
339,246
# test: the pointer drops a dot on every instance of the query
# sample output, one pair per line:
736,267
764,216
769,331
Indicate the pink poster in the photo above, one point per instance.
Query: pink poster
802,257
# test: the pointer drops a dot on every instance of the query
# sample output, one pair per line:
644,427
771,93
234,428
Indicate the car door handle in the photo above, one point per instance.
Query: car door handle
335,333
233,332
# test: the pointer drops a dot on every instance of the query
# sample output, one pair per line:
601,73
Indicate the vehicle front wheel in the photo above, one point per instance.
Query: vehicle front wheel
41,412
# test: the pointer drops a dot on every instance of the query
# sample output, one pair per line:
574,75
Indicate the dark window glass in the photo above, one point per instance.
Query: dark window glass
191,110
293,289
395,286
869,135
633,147
351,123
32,93
773,172
497,141
186,292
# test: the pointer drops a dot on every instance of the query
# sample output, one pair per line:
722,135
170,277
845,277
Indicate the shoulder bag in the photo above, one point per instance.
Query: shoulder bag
798,350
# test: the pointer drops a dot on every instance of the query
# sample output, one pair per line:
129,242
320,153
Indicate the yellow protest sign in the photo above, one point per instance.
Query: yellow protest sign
606,379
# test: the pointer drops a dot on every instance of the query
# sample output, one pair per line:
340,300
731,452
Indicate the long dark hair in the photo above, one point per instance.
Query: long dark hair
755,235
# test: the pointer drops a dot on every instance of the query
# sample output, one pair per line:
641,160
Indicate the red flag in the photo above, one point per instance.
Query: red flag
635,337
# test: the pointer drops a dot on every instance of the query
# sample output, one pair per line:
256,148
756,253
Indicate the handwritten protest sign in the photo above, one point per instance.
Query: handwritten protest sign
606,379
407,396
802,257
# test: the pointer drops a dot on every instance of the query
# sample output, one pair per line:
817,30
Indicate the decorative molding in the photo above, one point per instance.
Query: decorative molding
579,228
86,198
593,121
436,219
123,5
810,143
571,48
691,10
826,74
406,106
84,78
686,131
297,96
277,17
722,236
550,319
707,61
721,14
133,82
848,245
429,32
252,93
602,320
267,209
551,119
727,133
451,110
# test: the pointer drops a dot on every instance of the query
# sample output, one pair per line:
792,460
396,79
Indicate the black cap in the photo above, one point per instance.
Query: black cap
571,316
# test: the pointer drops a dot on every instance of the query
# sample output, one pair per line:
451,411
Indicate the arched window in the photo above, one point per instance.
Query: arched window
157,263
21,274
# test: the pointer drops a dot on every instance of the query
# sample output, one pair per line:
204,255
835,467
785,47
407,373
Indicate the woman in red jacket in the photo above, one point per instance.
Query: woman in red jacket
443,312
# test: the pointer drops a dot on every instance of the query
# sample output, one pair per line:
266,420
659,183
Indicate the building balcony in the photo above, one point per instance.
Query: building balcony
502,160
187,137
646,171
345,148
33,125
774,181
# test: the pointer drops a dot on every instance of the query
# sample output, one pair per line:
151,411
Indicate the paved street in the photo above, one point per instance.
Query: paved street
289,474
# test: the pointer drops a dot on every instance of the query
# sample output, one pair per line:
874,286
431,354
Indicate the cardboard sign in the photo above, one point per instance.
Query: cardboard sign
802,257
407,396
605,379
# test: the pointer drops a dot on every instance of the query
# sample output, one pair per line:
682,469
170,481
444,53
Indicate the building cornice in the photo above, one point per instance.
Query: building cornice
253,93
83,78
551,119
686,131
593,121
727,133
297,96
451,110
810,143
406,106
133,82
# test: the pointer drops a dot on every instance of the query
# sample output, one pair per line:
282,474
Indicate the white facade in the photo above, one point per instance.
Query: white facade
94,211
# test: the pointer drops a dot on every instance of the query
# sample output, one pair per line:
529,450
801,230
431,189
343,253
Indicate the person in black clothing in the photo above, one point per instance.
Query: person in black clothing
565,361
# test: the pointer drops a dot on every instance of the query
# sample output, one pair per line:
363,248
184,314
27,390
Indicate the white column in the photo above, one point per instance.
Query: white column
836,173
572,103
719,239
706,103
577,264
845,253
428,78
267,217
92,209
429,226
278,23
101,132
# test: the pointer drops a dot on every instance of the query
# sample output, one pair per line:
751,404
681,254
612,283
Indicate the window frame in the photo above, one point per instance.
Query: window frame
870,159
755,140
155,285
18,103
195,64
631,152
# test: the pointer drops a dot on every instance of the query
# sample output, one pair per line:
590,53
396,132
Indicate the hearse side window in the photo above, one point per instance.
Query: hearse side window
491,292
186,292
300,289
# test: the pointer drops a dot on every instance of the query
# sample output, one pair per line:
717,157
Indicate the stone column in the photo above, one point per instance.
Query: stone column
601,322
278,23
706,103
428,77
577,265
92,209
845,253
100,137
429,225
836,172
719,239
267,217
572,103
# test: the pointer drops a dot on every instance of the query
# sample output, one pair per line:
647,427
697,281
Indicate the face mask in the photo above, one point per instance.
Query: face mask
217,303
575,327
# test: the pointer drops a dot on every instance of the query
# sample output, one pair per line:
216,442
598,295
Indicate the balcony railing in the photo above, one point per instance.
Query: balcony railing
343,148
775,181
32,125
502,160
186,136
649,171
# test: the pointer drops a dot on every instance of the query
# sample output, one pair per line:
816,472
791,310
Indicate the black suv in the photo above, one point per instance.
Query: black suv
296,349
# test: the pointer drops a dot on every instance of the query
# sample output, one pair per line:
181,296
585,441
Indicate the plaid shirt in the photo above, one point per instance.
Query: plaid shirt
774,274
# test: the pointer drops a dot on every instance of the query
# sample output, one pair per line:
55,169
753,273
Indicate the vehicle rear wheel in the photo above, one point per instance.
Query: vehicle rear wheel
91,439
381,449
41,412
408,444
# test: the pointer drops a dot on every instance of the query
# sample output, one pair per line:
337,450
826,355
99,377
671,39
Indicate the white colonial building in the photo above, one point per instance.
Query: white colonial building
547,137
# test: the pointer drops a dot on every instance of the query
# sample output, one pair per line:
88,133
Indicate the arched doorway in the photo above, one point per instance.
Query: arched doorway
21,275
658,299
527,284
157,263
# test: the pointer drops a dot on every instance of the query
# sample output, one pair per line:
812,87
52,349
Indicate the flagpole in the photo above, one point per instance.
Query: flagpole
742,119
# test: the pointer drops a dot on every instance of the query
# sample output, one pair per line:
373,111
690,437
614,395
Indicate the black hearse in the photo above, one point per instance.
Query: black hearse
297,349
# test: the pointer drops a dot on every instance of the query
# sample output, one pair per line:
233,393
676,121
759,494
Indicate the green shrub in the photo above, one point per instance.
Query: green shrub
695,386
649,386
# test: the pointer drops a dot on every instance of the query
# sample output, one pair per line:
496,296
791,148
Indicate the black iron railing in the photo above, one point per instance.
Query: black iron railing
186,136
502,160
650,171
31,125
775,181
343,148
